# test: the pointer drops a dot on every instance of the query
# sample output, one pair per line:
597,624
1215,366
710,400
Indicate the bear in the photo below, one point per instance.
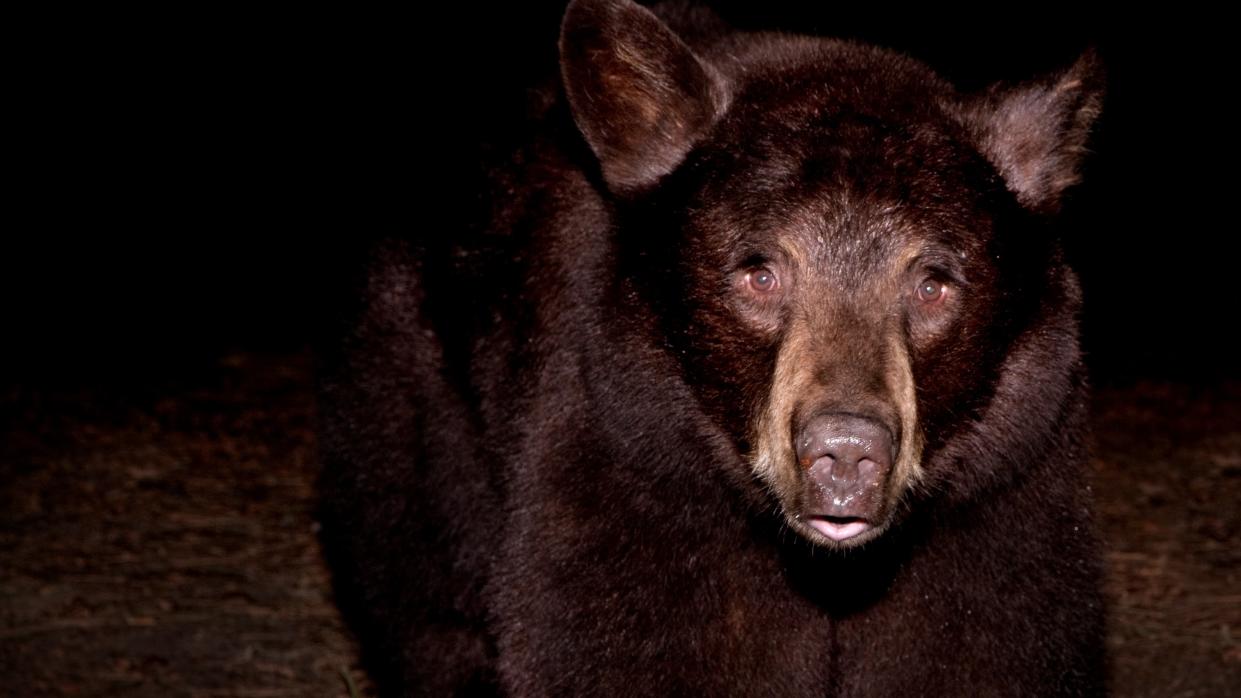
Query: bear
757,373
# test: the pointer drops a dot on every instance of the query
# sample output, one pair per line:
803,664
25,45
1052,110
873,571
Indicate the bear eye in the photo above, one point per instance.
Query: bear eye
930,291
762,280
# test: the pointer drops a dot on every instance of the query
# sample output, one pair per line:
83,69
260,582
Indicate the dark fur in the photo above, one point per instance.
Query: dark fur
536,436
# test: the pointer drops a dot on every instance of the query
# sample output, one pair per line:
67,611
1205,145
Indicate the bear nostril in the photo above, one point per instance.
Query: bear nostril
856,445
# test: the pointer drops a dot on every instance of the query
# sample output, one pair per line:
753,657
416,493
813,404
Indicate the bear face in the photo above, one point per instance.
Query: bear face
853,247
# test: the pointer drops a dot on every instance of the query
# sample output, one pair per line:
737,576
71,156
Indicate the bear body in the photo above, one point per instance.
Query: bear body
760,376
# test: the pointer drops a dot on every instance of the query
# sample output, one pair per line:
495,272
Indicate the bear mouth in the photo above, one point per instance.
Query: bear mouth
839,529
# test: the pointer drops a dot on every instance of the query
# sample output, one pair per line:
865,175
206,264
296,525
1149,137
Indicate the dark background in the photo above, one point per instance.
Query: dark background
205,185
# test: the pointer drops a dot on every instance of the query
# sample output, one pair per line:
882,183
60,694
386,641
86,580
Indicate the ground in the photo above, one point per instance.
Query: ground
158,538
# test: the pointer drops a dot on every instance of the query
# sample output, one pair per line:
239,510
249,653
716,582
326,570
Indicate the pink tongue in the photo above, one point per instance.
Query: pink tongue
838,531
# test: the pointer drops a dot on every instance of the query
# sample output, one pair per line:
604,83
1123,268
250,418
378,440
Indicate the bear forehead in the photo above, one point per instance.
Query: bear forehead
836,200
829,151
919,157
807,113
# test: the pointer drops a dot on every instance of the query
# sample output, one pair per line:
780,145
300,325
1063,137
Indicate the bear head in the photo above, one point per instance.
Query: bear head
848,257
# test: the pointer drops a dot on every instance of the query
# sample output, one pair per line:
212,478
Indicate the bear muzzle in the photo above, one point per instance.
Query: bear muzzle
846,460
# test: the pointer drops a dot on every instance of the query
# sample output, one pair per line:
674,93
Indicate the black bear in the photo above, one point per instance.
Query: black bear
757,376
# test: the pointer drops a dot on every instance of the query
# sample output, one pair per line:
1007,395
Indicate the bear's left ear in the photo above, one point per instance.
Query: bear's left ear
1035,134
639,94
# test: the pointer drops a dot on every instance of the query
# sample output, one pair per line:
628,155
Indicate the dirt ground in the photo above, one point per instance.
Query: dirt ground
161,541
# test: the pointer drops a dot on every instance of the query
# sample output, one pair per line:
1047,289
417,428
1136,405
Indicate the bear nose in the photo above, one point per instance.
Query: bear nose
849,440
847,459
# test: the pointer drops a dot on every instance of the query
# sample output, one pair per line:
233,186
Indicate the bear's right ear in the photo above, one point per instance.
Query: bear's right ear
638,93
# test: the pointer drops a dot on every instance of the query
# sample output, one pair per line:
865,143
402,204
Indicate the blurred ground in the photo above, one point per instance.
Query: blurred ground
161,541
1167,486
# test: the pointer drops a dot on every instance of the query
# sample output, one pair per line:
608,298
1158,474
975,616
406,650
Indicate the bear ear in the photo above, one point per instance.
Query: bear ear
638,93
1035,134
